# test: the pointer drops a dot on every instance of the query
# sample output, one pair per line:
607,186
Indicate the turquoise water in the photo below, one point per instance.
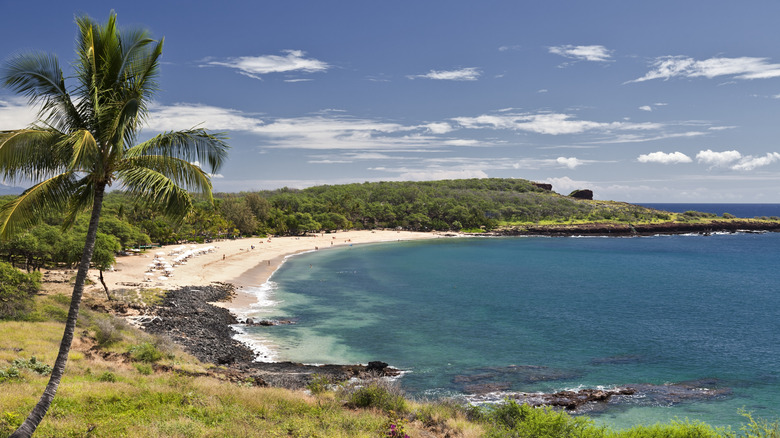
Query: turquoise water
546,314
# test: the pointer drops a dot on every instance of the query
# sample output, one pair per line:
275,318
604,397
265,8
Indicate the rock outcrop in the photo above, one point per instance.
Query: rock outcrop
582,194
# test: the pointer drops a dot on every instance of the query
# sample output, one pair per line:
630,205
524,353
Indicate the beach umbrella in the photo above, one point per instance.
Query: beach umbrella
159,253
163,278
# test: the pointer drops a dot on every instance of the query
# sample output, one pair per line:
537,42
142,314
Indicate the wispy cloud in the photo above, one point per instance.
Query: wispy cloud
16,114
255,66
735,160
583,53
547,123
664,158
464,74
668,67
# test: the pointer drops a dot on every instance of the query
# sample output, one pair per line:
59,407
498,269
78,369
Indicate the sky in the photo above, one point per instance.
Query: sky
653,101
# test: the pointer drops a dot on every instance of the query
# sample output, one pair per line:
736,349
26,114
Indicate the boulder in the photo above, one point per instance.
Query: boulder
582,194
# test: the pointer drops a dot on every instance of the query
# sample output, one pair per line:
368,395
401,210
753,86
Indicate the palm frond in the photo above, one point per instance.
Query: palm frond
191,145
183,173
38,76
83,198
83,150
48,196
156,190
31,154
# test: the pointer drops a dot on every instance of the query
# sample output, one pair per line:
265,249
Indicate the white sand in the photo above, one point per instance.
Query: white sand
234,261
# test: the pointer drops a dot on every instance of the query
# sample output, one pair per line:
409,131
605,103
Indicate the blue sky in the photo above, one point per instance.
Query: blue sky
662,101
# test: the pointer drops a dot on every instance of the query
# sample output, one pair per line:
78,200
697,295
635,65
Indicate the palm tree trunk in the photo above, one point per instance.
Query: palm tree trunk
39,411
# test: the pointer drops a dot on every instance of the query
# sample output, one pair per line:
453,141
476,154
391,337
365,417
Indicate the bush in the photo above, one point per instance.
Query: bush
728,216
143,368
318,384
16,291
107,332
108,376
146,352
511,419
377,394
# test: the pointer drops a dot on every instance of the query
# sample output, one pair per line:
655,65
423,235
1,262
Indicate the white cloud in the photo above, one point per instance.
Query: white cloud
439,128
646,108
254,66
750,162
16,114
664,158
464,74
547,123
565,184
718,158
439,174
583,53
185,116
668,67
571,162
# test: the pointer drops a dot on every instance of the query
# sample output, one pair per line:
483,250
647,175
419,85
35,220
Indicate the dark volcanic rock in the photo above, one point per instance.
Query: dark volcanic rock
582,194
544,186
186,317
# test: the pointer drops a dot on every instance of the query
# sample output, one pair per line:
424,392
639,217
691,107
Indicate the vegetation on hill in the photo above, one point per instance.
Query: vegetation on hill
452,205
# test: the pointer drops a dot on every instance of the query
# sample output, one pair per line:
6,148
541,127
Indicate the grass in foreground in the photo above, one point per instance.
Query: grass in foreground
114,388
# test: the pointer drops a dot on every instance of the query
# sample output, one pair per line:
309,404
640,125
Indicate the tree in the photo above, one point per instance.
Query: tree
85,140
103,257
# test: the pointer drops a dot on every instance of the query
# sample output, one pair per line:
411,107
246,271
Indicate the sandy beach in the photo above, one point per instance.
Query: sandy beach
242,262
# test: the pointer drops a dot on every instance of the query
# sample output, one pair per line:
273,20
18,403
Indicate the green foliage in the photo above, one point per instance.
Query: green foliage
143,368
376,394
758,428
32,364
107,376
16,291
728,216
318,384
146,352
511,419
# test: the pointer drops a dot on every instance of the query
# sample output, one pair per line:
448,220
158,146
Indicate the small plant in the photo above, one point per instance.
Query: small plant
396,427
146,352
144,368
107,376
106,332
318,384
34,365
377,394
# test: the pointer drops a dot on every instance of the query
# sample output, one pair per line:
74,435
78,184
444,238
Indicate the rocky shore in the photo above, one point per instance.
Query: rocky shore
204,330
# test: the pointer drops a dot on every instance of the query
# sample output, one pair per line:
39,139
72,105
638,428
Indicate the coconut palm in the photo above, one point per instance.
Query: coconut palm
85,141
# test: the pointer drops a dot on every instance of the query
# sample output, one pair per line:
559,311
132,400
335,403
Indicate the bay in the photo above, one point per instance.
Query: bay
546,314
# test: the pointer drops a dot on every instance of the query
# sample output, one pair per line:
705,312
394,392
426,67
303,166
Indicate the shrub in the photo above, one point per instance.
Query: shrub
377,394
107,376
511,419
728,216
318,384
16,291
143,368
106,332
146,352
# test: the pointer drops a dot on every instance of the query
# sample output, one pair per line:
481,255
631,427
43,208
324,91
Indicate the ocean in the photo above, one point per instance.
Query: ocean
693,321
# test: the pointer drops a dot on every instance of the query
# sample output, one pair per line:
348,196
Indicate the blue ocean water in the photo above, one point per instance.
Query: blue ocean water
738,210
547,314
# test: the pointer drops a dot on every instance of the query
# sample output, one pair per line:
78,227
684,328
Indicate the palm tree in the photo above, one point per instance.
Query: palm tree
85,141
